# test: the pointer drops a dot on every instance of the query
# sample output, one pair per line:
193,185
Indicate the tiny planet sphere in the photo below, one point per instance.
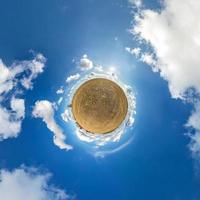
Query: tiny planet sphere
99,106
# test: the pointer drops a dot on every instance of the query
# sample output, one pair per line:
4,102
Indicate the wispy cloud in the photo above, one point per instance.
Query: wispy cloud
73,77
44,109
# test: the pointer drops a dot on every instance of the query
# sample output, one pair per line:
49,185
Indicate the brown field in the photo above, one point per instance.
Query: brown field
99,106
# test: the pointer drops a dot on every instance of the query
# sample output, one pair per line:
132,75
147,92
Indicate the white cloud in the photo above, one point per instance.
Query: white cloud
194,119
73,78
60,91
194,122
85,63
148,58
174,35
35,67
133,51
14,80
137,3
99,68
18,107
44,109
65,116
103,153
60,100
28,183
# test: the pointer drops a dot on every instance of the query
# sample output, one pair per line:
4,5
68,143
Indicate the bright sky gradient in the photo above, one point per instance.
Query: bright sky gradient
61,39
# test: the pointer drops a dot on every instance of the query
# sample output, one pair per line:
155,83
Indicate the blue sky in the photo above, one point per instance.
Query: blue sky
157,163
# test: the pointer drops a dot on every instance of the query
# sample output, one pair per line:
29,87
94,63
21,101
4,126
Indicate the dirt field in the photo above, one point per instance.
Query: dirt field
99,106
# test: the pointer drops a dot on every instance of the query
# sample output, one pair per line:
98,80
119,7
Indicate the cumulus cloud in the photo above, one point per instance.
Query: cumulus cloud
14,80
73,78
85,63
44,109
23,183
174,35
